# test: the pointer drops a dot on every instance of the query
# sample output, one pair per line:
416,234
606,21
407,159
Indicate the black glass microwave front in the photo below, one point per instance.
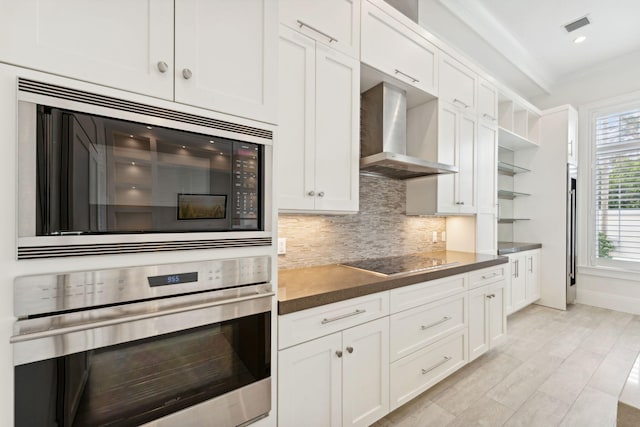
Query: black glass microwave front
100,175
136,382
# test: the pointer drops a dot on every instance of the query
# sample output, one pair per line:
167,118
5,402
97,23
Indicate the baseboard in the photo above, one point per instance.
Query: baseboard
611,301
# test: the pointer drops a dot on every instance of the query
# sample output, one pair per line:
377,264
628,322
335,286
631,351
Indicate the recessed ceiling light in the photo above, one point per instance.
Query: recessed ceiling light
579,39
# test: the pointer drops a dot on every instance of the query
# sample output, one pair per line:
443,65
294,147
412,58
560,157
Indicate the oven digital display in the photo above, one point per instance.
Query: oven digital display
172,279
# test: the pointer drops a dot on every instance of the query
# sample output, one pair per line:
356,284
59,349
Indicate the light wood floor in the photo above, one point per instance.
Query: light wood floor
557,368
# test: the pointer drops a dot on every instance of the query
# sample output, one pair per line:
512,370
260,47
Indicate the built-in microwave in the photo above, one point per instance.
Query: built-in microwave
93,169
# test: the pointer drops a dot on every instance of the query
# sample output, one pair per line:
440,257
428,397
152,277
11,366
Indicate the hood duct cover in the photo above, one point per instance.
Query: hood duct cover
383,137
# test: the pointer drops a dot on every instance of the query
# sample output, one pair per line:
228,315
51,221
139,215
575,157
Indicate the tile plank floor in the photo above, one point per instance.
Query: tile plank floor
557,368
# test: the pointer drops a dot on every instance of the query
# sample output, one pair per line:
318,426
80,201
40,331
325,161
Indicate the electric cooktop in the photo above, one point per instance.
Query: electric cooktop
398,265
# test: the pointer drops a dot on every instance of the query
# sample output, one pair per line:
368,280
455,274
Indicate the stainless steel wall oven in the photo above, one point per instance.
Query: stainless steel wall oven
164,345
93,168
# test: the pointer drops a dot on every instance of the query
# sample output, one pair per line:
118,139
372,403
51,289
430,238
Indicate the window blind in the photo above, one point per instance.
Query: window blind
617,186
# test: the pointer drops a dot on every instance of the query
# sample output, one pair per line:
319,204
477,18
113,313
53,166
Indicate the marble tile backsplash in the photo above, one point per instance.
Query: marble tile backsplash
379,229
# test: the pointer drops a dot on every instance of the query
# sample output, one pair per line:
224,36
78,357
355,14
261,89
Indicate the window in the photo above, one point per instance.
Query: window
617,186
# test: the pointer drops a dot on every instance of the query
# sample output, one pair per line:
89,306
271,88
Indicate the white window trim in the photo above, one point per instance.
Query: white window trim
587,261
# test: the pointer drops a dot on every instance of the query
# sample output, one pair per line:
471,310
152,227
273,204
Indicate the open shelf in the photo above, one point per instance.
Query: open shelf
513,141
510,220
510,195
510,170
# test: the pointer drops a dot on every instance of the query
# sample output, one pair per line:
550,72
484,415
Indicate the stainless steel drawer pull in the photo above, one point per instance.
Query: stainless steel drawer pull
344,316
440,363
444,319
489,276
457,101
487,116
413,79
491,296
304,24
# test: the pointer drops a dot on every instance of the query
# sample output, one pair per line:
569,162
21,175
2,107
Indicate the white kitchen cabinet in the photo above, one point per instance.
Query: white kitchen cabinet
226,56
486,184
338,380
335,23
456,145
487,318
487,102
228,67
319,115
525,279
396,50
457,84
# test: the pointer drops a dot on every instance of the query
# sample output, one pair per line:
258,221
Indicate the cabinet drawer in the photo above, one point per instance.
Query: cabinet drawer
457,84
422,293
487,275
335,23
308,324
396,50
415,373
420,326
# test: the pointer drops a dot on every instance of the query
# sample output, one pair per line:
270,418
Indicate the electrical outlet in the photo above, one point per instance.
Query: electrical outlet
444,236
434,237
282,245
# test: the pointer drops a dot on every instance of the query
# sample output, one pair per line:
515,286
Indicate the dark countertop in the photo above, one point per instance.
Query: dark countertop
302,288
505,248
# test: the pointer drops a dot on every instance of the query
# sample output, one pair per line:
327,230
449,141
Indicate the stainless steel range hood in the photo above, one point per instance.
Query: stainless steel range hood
383,136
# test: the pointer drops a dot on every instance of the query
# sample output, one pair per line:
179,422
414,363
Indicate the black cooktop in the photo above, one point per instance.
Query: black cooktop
397,265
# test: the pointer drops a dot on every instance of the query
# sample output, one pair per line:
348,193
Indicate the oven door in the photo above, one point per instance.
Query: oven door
189,362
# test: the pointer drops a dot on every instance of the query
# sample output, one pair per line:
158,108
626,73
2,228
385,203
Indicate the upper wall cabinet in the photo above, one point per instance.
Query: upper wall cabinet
396,50
228,67
335,23
487,102
457,84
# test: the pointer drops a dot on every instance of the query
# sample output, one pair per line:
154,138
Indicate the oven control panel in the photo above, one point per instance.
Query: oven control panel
52,293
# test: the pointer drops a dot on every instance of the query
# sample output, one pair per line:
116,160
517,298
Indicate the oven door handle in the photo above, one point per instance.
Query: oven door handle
132,318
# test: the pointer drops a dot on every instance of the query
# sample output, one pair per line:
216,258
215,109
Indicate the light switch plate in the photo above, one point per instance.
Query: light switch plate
282,245
434,237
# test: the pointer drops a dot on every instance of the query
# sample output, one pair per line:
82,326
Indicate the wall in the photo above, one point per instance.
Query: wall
379,229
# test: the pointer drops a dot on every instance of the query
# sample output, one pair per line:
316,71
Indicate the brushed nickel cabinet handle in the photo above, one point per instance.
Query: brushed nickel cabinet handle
344,316
444,319
187,73
413,79
457,101
350,349
162,66
304,24
339,353
489,276
311,193
321,194
442,362
487,116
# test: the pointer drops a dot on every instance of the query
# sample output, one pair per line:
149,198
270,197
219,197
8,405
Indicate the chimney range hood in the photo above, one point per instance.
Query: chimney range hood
383,136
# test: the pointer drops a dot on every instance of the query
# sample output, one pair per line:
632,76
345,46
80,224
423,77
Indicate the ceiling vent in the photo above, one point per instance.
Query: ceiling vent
579,23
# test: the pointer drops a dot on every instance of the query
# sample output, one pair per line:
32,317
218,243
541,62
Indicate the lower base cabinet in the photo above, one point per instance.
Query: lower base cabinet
524,285
338,380
487,318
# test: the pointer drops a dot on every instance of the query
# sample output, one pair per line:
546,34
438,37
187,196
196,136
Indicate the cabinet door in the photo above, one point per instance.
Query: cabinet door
294,152
532,276
486,184
113,43
497,314
309,383
518,282
365,373
226,56
466,178
457,83
478,322
447,154
337,131
332,22
487,102
398,51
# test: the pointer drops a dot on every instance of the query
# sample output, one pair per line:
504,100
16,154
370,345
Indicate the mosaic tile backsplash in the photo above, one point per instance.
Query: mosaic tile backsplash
379,229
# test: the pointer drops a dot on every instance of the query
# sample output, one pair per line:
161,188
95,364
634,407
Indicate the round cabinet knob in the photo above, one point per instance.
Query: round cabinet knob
350,349
321,194
162,66
187,74
311,193
339,353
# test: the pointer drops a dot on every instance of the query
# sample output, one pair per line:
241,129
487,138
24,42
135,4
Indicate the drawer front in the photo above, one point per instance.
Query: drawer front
421,326
308,324
422,293
487,275
415,373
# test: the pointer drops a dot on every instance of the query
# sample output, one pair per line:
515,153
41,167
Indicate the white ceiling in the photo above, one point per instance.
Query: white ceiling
523,42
